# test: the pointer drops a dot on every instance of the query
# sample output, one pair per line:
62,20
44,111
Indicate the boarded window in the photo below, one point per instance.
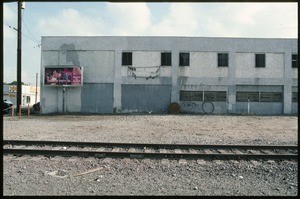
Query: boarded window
270,97
127,58
166,59
260,60
222,59
215,96
191,96
184,59
295,60
243,96
295,97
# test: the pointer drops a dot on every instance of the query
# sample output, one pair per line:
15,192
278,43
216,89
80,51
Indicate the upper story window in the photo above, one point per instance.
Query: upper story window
166,59
126,58
184,59
260,60
222,59
294,60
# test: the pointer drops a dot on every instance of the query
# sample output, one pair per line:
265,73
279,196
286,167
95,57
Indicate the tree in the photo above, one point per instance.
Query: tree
15,83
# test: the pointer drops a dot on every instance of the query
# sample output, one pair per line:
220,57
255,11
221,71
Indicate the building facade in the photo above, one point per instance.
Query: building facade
30,94
146,74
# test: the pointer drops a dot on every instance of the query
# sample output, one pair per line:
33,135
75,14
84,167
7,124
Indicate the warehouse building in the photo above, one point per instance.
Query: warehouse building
120,74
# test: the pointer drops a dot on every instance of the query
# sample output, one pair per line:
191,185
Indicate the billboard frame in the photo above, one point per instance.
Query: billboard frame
62,67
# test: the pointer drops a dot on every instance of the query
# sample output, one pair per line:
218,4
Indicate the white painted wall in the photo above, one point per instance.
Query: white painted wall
146,62
97,57
295,73
203,64
145,58
245,66
98,66
50,57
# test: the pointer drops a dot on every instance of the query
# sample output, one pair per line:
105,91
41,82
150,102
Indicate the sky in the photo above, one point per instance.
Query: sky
250,20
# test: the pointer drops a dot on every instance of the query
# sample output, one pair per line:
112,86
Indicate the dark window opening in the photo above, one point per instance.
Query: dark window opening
260,60
294,96
166,59
28,99
244,96
294,60
270,97
126,58
184,59
191,96
222,60
215,96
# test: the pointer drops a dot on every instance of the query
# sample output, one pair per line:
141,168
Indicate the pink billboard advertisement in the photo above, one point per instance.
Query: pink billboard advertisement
63,76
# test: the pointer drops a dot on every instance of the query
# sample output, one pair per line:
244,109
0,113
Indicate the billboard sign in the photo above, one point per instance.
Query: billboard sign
70,76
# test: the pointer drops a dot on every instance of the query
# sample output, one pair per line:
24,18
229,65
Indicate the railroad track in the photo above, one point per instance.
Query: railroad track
143,150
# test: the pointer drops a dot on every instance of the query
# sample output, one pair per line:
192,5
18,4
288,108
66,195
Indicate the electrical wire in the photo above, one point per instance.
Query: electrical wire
13,28
33,37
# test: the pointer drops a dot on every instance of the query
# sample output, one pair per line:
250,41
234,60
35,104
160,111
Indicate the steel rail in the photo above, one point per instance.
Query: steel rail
101,154
90,153
147,145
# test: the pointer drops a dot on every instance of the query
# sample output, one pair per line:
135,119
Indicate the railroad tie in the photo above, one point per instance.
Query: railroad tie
163,151
148,150
222,151
115,150
131,150
207,151
178,151
193,151
100,149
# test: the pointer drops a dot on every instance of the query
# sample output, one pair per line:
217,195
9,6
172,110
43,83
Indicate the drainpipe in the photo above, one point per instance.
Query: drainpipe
63,97
248,105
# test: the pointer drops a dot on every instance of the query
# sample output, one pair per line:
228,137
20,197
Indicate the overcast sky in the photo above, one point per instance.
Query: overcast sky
254,20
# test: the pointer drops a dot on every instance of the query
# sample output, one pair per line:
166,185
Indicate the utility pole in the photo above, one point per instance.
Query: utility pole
36,81
19,57
21,5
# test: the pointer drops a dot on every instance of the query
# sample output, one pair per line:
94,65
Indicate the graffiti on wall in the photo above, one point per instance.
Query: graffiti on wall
192,106
206,107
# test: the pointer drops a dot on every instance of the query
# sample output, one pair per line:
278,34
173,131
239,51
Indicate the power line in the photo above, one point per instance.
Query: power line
28,28
13,28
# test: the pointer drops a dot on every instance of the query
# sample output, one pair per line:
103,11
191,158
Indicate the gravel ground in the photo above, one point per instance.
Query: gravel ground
66,176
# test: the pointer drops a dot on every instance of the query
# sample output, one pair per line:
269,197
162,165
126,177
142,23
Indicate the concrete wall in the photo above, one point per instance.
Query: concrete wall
97,68
97,98
146,98
245,66
260,108
203,64
203,107
110,87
